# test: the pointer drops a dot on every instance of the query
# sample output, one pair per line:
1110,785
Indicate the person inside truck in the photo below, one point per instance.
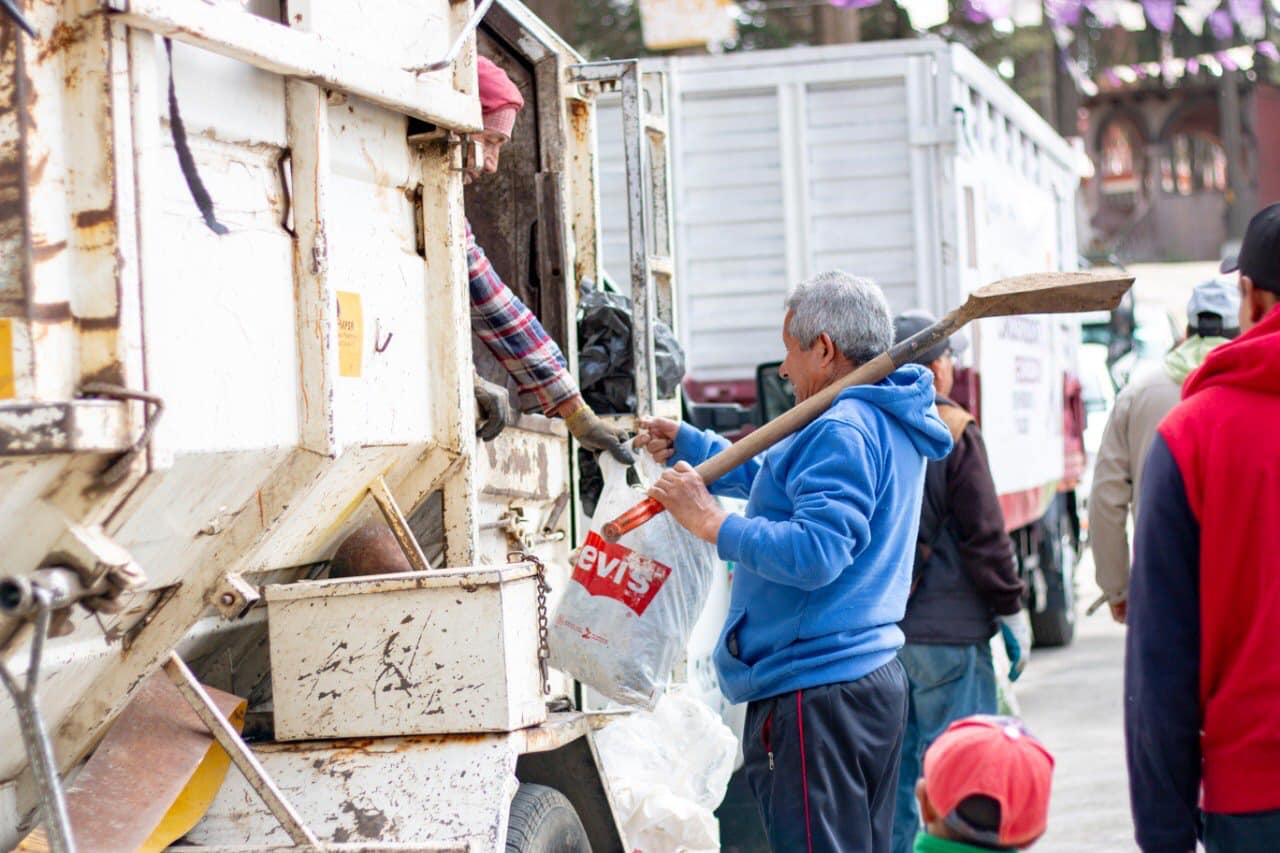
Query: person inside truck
965,586
504,324
822,570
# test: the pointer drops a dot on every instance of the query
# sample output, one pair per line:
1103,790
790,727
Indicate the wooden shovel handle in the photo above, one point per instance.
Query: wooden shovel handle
796,418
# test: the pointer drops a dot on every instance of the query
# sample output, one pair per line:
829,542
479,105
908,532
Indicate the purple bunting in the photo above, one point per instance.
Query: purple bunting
1064,13
1193,65
1103,11
1220,24
1160,14
1246,12
1269,50
853,4
1113,79
980,11
1225,60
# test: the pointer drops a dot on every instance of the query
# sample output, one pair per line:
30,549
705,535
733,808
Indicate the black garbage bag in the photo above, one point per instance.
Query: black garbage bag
605,370
606,374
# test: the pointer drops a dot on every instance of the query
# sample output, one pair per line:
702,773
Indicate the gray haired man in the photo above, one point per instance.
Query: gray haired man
822,562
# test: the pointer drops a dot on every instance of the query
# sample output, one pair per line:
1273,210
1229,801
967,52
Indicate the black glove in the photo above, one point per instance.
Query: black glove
496,413
594,434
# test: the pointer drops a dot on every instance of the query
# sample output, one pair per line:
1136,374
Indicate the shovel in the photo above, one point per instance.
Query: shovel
1037,293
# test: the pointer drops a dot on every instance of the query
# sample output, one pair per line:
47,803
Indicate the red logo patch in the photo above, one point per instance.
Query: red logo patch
617,572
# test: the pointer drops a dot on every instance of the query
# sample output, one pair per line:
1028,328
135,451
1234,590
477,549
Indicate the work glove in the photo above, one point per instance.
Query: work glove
594,434
1015,630
494,403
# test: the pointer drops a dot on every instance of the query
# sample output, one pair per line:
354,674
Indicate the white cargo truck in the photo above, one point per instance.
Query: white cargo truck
909,162
234,326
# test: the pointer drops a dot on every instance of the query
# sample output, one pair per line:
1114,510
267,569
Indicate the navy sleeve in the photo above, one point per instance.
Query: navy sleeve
1162,662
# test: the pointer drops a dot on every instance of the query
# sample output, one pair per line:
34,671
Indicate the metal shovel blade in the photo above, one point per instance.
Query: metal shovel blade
1047,293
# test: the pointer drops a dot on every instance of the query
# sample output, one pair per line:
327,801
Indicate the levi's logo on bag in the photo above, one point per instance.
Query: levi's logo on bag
615,571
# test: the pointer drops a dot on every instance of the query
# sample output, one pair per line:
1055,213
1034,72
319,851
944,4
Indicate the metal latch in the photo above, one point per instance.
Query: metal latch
234,596
153,408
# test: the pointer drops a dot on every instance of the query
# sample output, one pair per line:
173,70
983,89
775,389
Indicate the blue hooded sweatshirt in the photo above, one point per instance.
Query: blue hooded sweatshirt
822,558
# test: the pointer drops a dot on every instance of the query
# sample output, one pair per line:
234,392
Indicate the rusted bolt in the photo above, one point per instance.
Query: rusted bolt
228,598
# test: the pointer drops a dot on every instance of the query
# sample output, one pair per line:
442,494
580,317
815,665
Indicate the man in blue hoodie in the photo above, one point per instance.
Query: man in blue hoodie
823,562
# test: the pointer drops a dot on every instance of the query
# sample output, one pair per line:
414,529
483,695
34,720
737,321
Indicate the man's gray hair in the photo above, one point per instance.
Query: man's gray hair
852,310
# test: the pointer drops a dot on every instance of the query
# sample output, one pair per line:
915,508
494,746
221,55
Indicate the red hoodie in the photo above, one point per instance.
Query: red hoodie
1225,439
1202,662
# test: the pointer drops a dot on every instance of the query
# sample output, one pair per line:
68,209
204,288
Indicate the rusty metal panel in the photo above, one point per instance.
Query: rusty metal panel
39,428
295,53
437,789
13,238
178,517
230,380
22,481
372,255
158,744
400,33
526,463
453,650
240,479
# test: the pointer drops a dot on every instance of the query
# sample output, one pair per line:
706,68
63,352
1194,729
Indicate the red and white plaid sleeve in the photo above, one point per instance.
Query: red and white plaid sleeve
515,337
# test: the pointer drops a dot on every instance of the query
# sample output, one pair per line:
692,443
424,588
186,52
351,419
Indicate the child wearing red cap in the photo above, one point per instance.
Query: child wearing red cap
985,787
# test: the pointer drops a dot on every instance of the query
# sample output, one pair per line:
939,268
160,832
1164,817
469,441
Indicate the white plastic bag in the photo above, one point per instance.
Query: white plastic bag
631,604
668,771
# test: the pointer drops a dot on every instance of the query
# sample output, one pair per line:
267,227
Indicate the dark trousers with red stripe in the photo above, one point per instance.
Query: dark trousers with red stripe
823,763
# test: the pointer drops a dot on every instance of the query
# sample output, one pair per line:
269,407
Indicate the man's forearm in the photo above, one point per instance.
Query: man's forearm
513,334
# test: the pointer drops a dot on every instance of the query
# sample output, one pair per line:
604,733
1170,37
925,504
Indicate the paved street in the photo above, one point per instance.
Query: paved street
1071,698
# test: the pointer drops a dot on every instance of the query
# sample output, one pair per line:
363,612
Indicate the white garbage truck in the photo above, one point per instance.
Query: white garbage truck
912,163
234,327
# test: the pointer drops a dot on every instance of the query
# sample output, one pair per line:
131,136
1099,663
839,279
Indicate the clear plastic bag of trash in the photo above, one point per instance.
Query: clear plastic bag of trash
630,605
668,770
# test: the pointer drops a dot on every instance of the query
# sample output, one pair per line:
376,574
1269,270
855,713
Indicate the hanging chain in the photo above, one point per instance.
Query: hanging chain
544,650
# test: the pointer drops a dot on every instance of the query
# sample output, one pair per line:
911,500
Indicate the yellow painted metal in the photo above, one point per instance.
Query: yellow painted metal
197,796
7,391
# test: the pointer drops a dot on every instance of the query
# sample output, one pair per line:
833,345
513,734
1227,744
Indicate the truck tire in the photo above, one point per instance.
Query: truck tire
1055,625
543,821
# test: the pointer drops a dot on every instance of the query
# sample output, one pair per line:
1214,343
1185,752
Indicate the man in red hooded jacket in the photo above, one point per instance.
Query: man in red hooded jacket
1202,664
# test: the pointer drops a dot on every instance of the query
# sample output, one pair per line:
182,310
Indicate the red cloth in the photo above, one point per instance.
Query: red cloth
500,99
1223,440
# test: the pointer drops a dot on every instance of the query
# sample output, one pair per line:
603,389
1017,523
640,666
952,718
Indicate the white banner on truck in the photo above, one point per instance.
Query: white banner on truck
1021,401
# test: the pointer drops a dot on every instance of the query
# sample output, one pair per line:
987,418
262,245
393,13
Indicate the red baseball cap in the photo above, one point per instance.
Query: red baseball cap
992,757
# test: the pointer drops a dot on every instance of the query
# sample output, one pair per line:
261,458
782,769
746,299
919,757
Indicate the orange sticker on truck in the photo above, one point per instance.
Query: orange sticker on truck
8,388
350,334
